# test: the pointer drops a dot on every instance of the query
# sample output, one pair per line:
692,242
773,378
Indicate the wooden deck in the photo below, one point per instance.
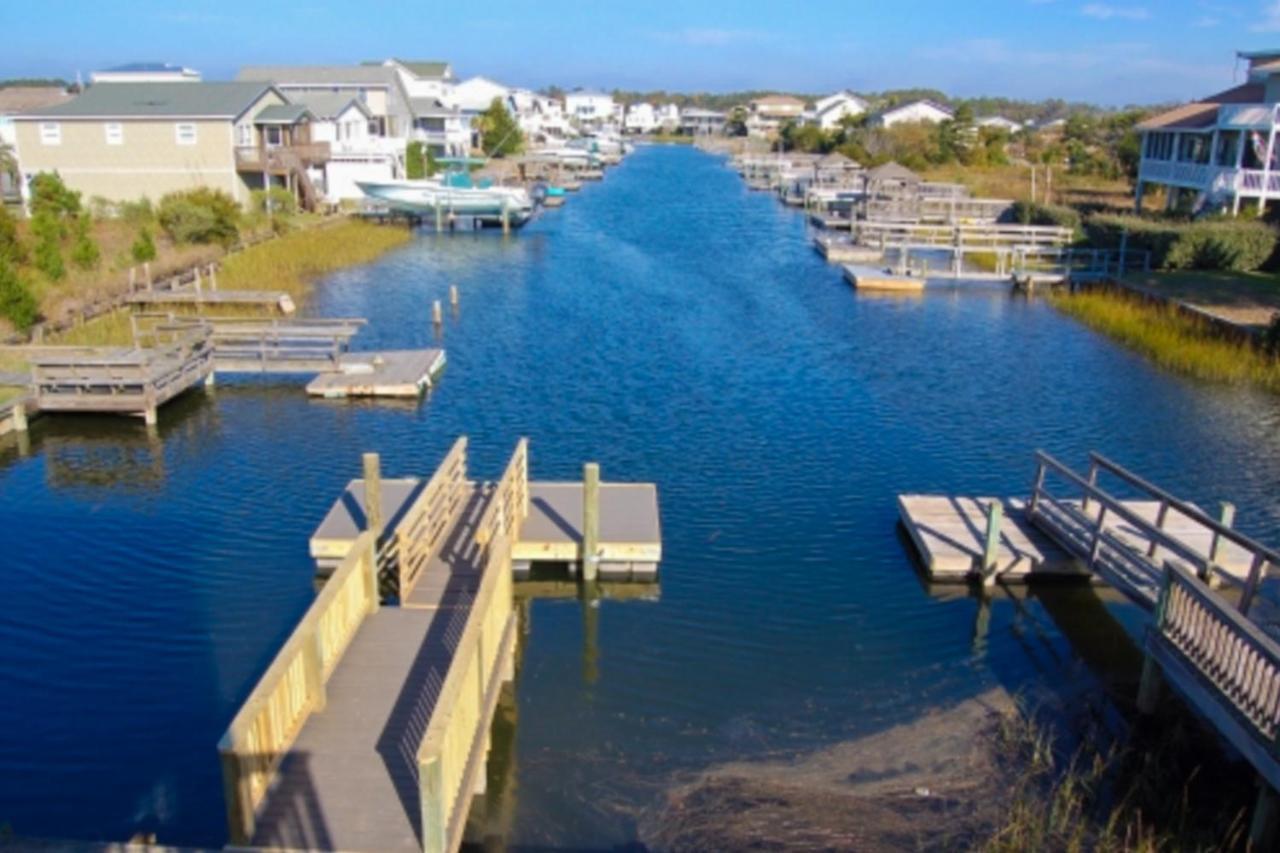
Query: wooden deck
370,729
869,278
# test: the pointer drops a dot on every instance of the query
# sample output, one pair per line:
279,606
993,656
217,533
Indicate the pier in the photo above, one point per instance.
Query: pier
1211,637
370,728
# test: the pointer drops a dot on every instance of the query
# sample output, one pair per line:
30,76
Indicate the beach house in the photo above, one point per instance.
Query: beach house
827,112
913,112
768,114
589,108
1220,152
641,118
127,141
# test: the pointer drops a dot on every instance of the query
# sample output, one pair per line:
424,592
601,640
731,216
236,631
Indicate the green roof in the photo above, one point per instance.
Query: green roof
425,68
328,104
282,114
158,100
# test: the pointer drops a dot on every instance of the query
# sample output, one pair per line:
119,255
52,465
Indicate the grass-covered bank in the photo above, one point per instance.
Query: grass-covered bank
1171,338
291,263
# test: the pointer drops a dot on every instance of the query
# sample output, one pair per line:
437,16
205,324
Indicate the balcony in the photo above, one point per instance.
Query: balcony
282,159
1210,179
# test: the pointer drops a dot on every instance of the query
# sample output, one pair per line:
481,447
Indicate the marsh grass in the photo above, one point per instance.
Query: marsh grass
292,262
1171,339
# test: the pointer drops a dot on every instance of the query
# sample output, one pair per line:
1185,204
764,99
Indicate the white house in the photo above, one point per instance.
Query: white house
541,118
915,111
696,122
641,118
1000,123
1222,150
423,78
355,154
588,107
475,94
146,72
668,116
828,111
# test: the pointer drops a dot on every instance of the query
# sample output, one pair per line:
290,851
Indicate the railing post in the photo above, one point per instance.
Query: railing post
1096,547
1149,687
373,522
435,825
590,520
995,514
1037,486
1161,514
1093,481
235,792
1251,585
1226,517
313,662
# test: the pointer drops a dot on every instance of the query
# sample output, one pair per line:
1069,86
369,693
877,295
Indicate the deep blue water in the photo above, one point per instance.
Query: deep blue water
678,329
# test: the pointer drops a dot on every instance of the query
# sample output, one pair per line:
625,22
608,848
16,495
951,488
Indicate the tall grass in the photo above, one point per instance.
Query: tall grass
1172,339
292,262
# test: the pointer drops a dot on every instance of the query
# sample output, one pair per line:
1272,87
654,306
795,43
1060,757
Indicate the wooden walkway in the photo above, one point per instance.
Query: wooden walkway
370,729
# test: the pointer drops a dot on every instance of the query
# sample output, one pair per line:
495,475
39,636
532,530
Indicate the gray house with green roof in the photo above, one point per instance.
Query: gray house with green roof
127,141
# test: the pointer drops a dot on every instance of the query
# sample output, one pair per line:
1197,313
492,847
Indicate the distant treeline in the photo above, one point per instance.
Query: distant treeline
34,81
1017,110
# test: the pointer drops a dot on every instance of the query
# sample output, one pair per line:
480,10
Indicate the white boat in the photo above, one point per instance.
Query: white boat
486,204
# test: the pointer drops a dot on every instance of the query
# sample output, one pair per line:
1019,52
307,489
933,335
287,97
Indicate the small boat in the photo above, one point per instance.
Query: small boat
456,195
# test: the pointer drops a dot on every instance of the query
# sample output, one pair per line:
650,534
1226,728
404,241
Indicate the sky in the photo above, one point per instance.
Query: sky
1111,53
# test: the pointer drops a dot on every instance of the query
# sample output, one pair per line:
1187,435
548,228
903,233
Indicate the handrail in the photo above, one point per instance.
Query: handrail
421,531
509,505
452,746
293,686
1238,659
1187,509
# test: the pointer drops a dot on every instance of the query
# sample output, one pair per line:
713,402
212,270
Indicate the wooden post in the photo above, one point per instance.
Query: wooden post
453,295
146,273
133,278
195,272
372,493
991,549
213,277
506,217
1124,247
435,828
311,661
590,520
437,314
19,417
1226,517
439,218
235,790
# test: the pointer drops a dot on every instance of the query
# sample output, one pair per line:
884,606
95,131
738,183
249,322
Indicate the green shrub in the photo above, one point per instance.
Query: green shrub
136,212
11,248
50,195
1030,213
1214,244
144,247
48,254
85,253
415,162
200,216
16,300
281,201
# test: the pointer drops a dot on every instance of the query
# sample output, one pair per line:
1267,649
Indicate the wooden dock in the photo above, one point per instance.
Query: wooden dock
838,250
370,728
387,373
871,278
1212,637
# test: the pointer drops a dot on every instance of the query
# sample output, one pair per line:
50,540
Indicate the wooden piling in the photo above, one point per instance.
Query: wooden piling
372,493
146,273
19,417
213,277
991,549
439,219
453,295
506,217
437,314
590,520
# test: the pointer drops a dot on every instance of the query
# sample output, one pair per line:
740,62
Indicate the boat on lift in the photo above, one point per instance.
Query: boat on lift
454,194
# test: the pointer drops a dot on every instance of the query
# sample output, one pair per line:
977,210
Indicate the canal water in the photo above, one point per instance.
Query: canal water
678,329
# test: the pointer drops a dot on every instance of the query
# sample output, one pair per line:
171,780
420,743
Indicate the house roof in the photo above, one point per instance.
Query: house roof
145,68
921,102
836,160
429,107
433,68
325,105
327,75
778,101
587,93
282,114
157,100
893,171
1204,113
17,99
694,112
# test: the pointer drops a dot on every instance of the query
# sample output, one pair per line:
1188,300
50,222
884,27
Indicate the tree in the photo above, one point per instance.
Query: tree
200,216
144,247
48,255
499,133
85,253
11,248
16,300
737,123
50,195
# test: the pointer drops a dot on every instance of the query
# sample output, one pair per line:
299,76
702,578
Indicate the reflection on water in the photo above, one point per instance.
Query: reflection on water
679,330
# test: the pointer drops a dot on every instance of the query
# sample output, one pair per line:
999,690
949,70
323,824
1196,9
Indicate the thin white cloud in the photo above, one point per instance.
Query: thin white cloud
1106,12
1270,22
712,36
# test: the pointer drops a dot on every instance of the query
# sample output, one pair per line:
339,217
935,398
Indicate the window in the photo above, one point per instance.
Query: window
185,134
115,134
273,136
50,134
244,135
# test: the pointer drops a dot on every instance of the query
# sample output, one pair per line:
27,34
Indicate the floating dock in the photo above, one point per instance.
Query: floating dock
869,278
844,251
389,373
630,536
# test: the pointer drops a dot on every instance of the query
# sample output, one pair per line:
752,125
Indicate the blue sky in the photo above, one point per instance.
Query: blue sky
1126,51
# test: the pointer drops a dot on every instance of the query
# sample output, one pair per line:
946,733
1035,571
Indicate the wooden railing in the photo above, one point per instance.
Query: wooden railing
455,743
962,235
293,687
509,505
1222,663
421,531
275,345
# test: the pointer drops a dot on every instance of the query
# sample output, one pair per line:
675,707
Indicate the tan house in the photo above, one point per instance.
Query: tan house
769,113
127,141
